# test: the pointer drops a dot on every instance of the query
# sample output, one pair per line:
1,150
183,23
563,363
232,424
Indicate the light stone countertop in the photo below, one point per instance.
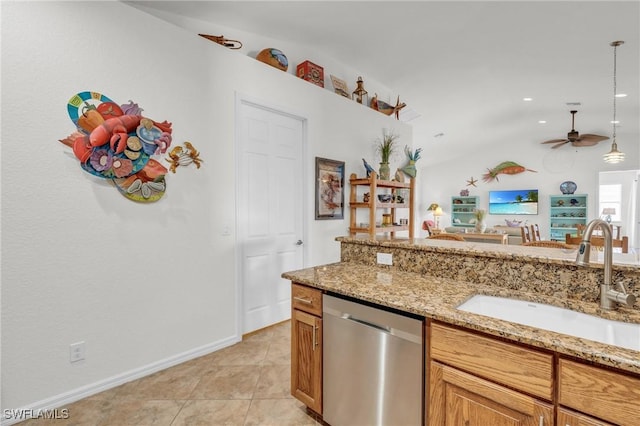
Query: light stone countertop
621,261
436,298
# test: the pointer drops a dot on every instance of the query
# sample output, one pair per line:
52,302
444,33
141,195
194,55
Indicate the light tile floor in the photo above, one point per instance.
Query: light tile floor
244,384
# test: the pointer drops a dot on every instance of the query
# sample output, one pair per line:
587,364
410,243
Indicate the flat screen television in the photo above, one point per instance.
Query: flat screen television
512,202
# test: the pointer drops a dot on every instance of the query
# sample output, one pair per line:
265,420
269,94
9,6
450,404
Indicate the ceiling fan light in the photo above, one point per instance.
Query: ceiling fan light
614,156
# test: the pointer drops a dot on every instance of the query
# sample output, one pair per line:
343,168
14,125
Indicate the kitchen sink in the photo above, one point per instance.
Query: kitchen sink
559,320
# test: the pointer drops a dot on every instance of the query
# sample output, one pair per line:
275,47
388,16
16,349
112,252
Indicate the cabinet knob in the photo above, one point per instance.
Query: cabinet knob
299,242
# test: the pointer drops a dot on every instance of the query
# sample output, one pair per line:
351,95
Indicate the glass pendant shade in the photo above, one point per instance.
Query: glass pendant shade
614,156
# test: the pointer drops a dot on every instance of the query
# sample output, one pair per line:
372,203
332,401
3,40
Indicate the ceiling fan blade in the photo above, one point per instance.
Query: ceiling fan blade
588,137
556,141
588,140
560,144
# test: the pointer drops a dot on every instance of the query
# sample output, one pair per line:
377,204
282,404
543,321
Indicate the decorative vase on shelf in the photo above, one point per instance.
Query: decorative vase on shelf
385,171
410,169
480,226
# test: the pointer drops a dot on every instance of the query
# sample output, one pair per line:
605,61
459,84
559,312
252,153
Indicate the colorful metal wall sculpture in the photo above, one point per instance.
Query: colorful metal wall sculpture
117,142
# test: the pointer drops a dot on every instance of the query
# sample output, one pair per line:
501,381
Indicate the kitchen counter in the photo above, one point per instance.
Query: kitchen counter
434,296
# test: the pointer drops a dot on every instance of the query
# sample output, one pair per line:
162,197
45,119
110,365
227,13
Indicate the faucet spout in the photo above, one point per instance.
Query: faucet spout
609,297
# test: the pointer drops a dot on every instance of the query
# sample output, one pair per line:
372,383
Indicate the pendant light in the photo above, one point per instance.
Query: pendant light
614,156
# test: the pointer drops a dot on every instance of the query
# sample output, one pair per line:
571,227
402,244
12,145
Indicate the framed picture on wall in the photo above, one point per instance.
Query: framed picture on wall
329,189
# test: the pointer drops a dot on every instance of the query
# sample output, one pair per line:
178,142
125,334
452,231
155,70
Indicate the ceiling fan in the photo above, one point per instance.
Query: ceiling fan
575,138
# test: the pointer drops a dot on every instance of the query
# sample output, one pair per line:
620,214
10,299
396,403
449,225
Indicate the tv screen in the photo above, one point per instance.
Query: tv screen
512,202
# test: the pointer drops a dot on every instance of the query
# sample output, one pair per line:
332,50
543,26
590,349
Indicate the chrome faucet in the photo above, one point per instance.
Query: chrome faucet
609,297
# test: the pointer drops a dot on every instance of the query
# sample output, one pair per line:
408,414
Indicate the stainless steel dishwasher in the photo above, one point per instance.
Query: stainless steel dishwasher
373,366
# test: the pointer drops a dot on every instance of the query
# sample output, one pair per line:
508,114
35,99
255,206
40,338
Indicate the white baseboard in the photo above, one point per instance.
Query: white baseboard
77,394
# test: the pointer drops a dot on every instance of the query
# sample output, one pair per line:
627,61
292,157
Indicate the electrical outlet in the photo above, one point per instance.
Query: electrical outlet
76,352
385,259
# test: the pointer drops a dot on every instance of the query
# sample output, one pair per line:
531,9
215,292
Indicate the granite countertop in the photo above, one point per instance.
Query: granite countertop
437,298
621,261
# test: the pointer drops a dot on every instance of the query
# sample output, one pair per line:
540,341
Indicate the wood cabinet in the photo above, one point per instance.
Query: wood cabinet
571,418
458,398
565,212
462,211
599,392
377,187
306,346
475,380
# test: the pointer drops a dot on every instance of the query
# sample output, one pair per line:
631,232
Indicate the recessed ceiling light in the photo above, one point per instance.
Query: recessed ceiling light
527,99
621,95
542,121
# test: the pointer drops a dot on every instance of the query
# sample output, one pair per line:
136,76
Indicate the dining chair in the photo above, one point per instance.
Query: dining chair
535,232
526,234
622,243
550,244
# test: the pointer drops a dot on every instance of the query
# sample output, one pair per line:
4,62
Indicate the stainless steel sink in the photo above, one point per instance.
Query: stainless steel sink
559,320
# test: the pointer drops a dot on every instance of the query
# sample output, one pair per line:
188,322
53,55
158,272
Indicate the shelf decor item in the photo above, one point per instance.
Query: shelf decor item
480,225
273,57
231,44
568,187
385,148
385,108
311,72
329,189
340,86
410,169
360,95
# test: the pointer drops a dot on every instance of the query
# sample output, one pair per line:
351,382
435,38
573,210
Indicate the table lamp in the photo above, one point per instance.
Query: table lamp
436,214
608,211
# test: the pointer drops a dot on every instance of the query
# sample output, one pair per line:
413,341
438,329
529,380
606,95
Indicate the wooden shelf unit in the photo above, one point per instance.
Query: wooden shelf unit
374,184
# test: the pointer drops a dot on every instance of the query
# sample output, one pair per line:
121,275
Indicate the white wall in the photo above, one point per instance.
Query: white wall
144,285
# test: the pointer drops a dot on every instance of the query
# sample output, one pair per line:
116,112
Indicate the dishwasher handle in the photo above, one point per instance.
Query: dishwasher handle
366,323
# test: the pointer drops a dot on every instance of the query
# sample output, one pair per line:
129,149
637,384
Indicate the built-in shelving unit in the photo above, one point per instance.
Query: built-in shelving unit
565,212
373,204
462,211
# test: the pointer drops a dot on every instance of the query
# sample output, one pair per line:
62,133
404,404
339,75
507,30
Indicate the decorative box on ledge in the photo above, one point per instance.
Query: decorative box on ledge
311,72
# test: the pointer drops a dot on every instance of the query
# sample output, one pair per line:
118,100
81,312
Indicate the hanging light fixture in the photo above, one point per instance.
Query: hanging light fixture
614,156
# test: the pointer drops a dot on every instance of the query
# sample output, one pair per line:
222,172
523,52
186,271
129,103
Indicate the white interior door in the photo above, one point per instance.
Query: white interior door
270,211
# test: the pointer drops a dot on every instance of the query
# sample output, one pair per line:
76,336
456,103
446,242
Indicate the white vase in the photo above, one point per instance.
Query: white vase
481,226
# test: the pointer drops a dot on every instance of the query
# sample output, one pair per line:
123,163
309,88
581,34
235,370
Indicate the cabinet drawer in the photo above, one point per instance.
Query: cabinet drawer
506,363
306,299
612,396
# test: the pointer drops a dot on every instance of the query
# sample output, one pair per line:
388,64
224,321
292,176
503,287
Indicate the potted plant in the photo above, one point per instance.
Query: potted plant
480,215
385,148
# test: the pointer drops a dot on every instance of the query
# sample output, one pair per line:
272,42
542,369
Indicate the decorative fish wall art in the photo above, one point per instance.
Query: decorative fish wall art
504,168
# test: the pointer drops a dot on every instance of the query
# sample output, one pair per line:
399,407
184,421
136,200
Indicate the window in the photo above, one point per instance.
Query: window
611,197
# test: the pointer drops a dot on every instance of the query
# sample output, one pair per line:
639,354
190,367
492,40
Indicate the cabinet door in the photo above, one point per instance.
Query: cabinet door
306,359
570,418
599,392
458,398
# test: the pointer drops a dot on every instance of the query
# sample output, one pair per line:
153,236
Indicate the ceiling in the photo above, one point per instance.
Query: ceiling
465,67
